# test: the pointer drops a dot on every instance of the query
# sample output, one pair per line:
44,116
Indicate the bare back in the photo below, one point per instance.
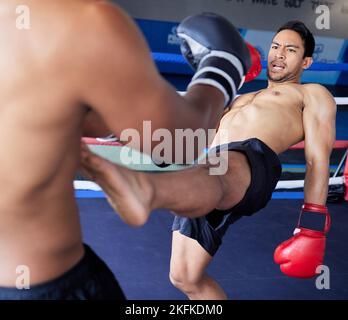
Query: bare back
273,115
40,125
78,55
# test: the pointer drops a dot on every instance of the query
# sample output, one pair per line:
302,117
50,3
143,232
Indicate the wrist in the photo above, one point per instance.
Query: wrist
314,217
315,207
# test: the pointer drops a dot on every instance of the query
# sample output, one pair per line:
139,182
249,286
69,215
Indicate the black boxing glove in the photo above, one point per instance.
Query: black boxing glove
216,51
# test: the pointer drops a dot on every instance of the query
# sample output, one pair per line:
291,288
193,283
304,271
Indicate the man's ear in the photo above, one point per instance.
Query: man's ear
307,62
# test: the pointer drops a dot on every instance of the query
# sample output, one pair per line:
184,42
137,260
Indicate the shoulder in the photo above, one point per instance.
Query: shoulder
310,89
316,94
103,26
106,35
104,16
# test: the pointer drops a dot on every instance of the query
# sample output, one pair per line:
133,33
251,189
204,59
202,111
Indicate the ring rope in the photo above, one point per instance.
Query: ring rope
176,63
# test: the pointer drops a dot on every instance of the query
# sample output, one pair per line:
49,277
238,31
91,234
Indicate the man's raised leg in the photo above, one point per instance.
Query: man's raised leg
193,192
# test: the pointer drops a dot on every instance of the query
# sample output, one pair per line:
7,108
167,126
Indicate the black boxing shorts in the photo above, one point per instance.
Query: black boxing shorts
265,173
89,279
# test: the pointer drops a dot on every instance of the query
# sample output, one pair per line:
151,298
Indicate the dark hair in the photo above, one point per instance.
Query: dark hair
305,34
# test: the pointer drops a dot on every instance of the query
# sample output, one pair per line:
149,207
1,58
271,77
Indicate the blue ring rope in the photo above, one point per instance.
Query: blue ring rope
176,63
89,194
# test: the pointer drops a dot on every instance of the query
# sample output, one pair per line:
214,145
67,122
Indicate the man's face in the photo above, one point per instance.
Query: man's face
285,57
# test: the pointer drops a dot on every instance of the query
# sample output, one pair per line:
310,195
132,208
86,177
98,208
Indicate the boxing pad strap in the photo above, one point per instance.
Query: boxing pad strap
222,70
231,59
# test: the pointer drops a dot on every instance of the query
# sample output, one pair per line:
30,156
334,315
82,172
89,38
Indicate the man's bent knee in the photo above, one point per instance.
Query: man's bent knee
184,282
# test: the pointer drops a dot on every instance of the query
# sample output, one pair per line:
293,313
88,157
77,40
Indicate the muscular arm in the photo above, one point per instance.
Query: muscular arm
122,85
319,125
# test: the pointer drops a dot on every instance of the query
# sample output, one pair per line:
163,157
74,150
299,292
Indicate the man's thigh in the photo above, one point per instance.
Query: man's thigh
188,256
236,180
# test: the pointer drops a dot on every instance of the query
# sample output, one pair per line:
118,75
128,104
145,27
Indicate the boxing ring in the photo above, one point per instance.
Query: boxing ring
112,151
169,63
244,265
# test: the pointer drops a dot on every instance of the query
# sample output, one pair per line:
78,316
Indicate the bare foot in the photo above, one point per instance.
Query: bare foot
128,192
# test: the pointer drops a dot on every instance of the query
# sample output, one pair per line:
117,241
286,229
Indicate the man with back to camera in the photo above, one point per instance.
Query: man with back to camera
260,125
52,79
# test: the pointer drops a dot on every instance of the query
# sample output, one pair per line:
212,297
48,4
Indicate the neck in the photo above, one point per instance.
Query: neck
272,84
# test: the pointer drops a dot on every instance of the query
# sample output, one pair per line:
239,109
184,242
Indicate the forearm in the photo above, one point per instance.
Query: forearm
207,105
203,110
199,109
203,113
188,118
316,183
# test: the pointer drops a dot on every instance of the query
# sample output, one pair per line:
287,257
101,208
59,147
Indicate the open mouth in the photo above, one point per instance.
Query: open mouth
277,66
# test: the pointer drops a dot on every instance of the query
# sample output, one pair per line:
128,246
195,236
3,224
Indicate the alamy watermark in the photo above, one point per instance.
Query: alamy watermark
323,279
323,20
23,17
23,278
183,147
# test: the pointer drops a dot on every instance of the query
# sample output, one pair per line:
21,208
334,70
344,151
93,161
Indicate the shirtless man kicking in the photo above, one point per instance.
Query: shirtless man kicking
260,125
76,57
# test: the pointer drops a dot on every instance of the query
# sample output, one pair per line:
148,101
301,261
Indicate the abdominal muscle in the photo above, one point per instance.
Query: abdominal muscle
278,128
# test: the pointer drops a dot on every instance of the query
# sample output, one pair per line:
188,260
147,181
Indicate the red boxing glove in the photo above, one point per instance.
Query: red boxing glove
256,67
300,255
